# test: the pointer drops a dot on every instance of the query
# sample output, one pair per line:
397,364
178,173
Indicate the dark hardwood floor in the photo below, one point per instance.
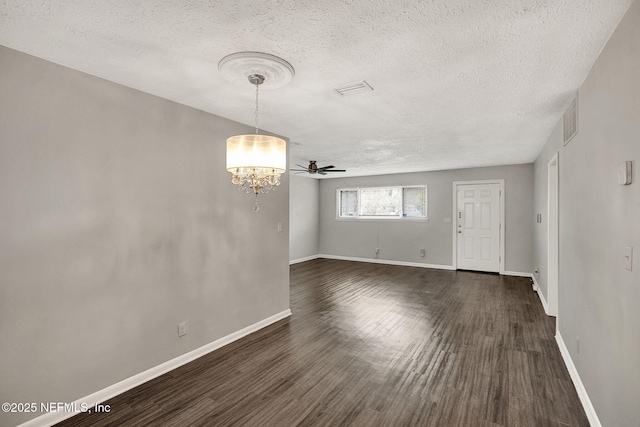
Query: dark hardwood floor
374,345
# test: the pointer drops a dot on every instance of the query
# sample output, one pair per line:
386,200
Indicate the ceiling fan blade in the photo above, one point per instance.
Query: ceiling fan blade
321,172
298,170
335,170
300,166
327,167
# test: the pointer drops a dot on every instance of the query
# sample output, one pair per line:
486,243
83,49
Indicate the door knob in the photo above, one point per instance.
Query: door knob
459,231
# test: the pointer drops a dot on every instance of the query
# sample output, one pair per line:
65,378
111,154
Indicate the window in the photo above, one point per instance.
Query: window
348,203
383,202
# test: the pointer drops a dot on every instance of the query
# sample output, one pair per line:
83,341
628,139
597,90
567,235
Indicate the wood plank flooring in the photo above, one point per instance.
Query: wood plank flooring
374,345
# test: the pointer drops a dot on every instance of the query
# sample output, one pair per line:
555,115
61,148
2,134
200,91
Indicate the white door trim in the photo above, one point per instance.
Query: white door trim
455,210
553,189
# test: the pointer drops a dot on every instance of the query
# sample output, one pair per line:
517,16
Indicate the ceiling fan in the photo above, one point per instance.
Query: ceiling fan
313,168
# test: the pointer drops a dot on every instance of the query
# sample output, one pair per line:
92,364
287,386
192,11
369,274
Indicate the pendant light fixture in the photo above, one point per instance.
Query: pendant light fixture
256,161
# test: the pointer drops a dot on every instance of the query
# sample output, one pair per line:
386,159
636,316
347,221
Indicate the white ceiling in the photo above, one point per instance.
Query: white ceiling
457,83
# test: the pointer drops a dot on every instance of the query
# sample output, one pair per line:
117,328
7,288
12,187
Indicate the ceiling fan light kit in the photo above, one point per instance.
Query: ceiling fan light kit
256,161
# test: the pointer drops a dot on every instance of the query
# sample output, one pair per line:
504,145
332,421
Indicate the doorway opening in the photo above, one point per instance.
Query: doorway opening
552,236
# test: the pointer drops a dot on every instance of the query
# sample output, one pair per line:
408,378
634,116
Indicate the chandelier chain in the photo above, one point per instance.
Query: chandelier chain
256,113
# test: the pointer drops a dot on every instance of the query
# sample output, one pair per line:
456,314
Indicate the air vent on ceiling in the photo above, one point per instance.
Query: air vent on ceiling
353,88
570,121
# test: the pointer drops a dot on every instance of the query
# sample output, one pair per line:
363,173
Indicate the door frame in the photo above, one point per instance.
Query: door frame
454,263
553,242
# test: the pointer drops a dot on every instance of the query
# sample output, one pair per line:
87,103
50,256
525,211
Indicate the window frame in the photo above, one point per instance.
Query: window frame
401,216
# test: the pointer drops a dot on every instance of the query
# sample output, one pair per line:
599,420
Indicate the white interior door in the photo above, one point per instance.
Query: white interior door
478,227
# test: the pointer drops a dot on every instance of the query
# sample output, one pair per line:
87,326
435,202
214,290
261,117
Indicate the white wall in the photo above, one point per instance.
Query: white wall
598,297
304,210
402,240
119,221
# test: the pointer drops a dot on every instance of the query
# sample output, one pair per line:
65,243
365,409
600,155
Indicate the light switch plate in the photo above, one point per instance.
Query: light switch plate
182,329
628,258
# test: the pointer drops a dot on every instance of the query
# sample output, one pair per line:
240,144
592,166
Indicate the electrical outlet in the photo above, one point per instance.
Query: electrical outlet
578,344
182,328
279,227
422,252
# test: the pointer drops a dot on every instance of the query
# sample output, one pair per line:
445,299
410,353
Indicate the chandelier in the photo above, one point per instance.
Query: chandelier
256,161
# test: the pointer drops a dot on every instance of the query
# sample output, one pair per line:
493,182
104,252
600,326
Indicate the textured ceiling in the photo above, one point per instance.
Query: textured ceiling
457,83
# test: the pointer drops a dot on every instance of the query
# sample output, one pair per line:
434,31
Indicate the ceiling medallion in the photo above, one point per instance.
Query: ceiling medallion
236,67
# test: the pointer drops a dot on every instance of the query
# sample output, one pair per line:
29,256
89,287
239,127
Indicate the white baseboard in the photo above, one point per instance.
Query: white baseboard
516,273
536,288
100,396
386,261
541,296
577,383
307,258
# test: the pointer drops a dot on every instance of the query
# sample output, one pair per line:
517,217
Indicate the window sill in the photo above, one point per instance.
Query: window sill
404,219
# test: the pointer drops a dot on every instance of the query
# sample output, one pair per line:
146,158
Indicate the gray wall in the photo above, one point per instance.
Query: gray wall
304,210
402,240
598,298
119,221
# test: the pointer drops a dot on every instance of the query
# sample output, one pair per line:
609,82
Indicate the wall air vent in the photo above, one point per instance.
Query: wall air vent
353,88
570,121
